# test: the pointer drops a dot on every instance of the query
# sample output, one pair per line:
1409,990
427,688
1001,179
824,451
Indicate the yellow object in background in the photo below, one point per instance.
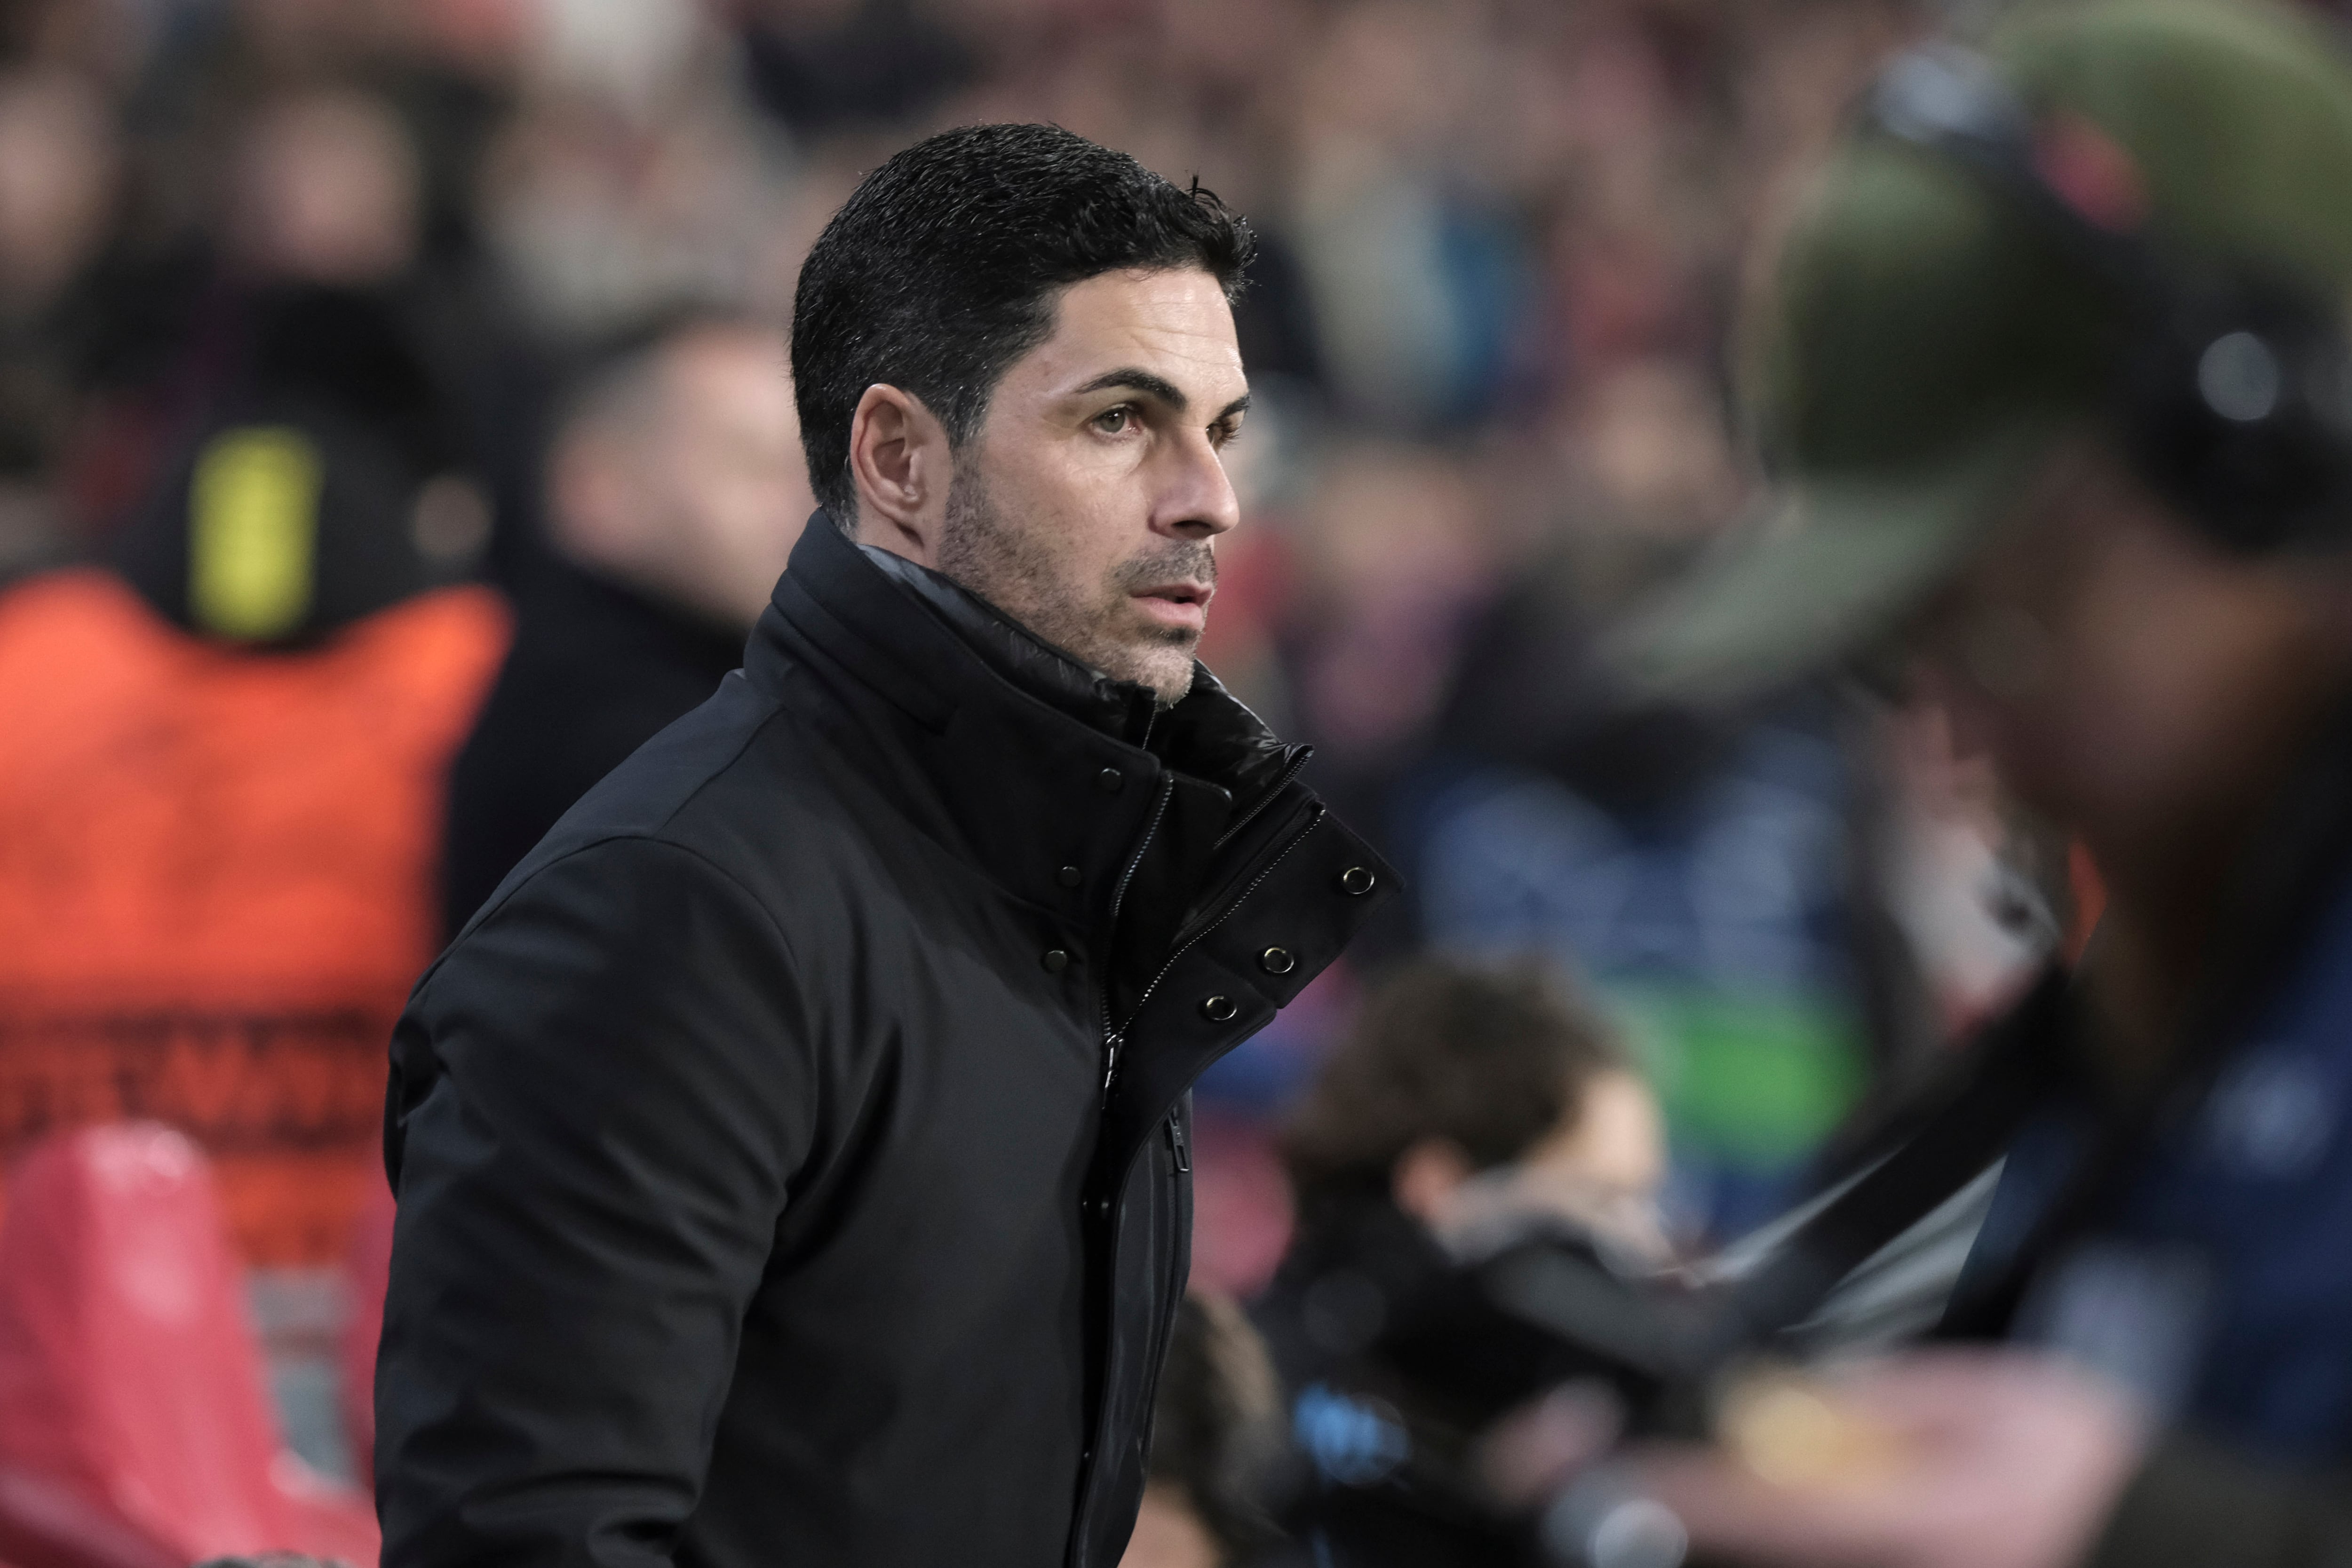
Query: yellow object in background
1794,1430
253,530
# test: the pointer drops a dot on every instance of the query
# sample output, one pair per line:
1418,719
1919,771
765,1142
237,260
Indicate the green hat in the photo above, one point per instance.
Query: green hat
1926,338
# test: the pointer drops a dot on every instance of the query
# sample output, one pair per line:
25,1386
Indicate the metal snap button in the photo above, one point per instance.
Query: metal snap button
1219,1009
1068,876
1055,960
1357,880
1109,780
1277,960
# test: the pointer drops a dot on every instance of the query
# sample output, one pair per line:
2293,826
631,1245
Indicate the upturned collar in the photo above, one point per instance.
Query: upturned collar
1014,741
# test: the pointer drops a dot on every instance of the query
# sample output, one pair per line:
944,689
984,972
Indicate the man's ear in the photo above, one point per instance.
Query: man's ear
901,463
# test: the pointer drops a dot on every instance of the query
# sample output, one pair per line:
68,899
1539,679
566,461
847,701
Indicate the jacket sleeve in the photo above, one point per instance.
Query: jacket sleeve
2195,1505
598,1098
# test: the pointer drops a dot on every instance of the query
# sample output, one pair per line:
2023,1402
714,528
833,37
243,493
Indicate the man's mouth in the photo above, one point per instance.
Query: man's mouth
1184,605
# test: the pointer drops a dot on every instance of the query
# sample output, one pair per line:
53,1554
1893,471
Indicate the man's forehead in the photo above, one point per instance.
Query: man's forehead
1175,323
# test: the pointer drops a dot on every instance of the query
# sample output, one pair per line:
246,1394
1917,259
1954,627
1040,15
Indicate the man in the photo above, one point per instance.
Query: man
792,1155
675,489
2058,368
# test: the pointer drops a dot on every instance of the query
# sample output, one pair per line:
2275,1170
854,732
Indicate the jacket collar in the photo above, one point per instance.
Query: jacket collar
1017,747
1120,709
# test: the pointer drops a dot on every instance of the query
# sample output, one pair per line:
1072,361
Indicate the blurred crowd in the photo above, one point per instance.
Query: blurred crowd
395,431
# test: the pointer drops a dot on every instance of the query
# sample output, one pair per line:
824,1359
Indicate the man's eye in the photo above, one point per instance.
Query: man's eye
1224,432
1114,421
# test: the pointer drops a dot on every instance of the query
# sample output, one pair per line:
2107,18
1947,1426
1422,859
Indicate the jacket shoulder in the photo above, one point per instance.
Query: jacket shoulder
683,788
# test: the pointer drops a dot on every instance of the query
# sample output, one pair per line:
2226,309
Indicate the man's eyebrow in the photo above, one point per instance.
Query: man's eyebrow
1137,380
1158,387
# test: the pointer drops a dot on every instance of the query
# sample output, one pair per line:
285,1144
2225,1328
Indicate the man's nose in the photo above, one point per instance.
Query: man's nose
1197,501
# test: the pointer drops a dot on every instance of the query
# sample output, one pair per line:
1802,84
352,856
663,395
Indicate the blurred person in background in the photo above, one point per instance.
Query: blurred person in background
2056,365
220,804
60,157
815,1098
635,171
1465,1107
675,489
1216,1434
240,465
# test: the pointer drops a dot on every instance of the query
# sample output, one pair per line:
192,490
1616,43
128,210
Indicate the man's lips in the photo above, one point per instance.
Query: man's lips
1180,604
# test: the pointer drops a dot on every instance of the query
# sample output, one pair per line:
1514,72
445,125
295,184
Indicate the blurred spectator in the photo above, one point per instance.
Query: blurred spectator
60,173
217,858
1413,263
218,822
1465,1106
2083,492
326,191
675,488
1216,1432
633,174
1460,1097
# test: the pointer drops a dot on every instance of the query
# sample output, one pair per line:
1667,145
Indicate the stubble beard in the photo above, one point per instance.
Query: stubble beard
1021,574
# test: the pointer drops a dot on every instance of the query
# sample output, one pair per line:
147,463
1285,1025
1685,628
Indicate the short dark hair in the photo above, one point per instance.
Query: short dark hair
945,265
1489,1058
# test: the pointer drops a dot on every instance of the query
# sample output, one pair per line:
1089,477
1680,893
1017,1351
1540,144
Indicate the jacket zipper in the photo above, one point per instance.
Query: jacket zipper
1189,942
1298,758
1112,1037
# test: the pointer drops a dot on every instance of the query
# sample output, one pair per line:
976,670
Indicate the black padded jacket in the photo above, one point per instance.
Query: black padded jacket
792,1153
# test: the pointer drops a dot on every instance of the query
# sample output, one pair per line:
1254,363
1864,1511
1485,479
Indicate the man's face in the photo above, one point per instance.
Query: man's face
1085,505
2126,679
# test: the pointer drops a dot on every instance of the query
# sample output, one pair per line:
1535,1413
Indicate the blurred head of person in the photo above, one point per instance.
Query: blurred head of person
1472,1097
2047,429
599,212
1014,358
1217,1427
676,468
326,189
60,159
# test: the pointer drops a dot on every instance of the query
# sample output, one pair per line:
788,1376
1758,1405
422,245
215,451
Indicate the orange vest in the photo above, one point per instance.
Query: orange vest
217,881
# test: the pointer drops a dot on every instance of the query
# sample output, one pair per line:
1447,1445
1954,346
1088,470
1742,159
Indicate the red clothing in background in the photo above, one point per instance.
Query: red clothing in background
217,881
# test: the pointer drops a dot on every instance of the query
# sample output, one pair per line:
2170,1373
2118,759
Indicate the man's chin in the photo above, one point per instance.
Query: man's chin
1165,671
1158,658
1175,688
